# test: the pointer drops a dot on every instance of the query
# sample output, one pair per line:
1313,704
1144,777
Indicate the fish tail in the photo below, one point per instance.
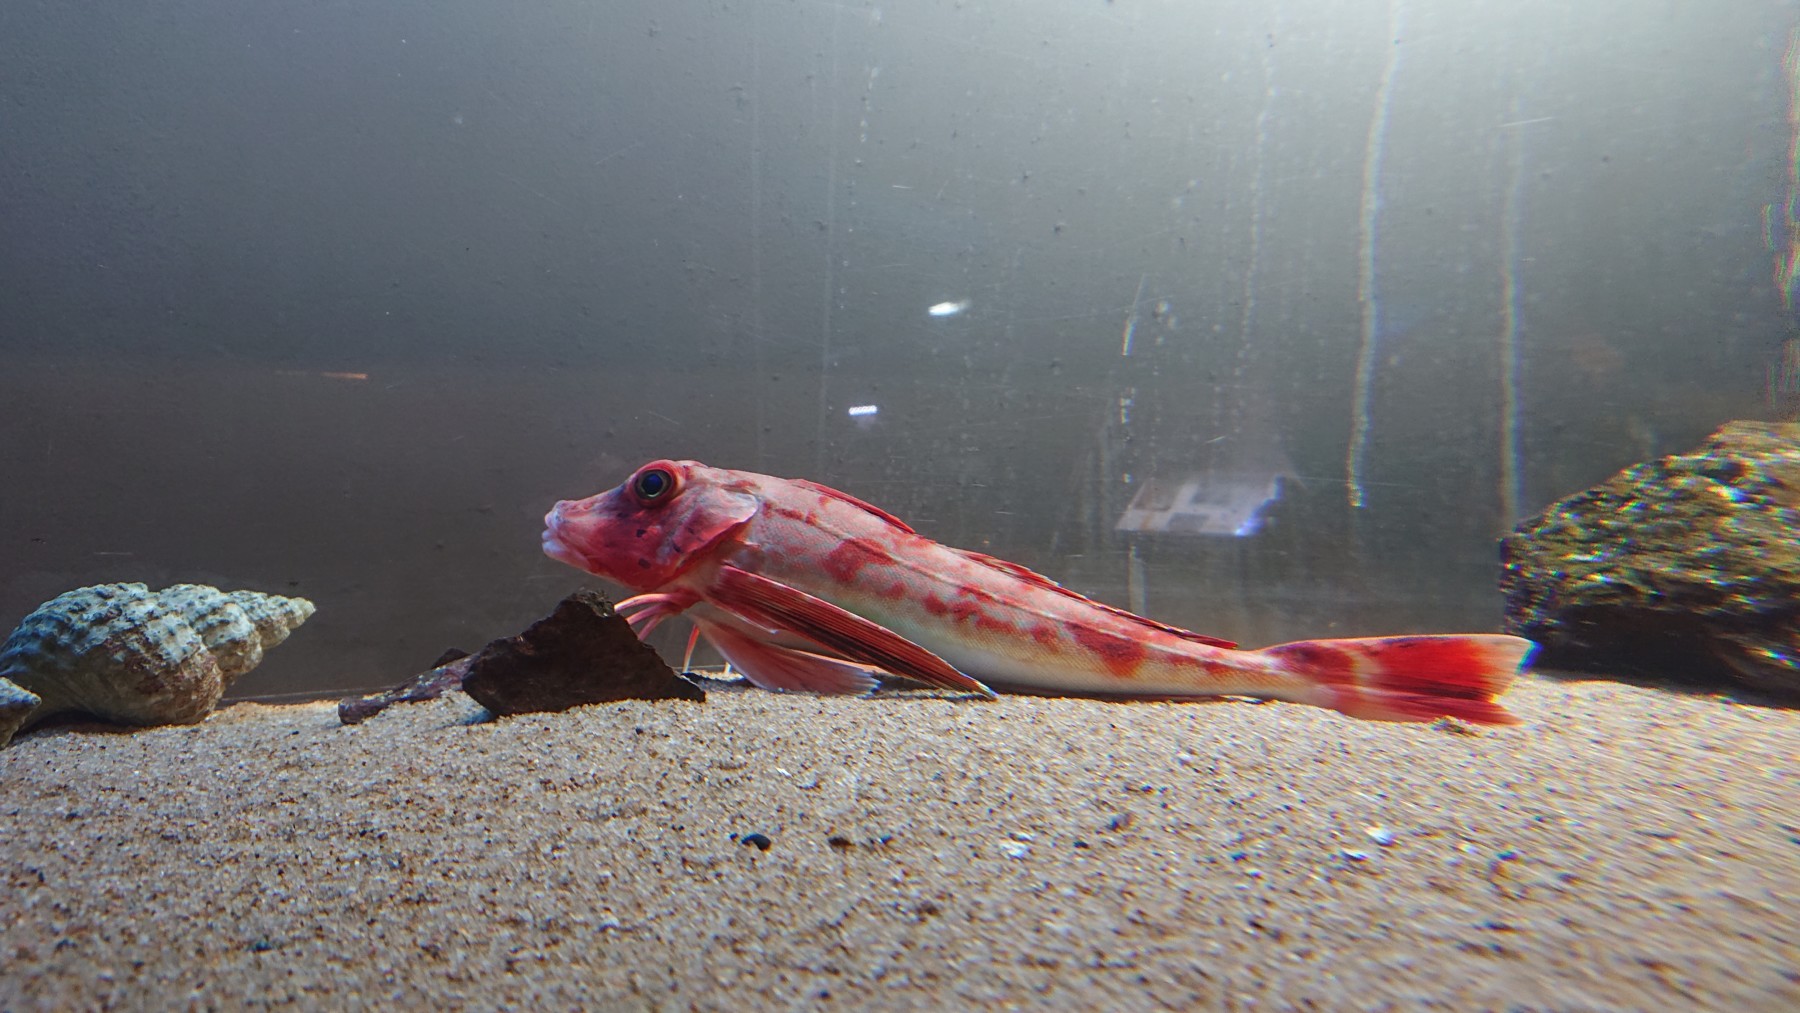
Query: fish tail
1409,678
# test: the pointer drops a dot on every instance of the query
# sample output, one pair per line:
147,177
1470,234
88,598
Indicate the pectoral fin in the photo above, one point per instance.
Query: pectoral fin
772,666
776,606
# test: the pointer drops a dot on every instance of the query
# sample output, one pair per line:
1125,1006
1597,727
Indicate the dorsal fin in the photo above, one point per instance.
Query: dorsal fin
1008,566
825,490
1038,579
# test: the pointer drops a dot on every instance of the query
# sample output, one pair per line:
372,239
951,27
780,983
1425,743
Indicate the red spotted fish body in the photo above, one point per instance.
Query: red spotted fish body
802,587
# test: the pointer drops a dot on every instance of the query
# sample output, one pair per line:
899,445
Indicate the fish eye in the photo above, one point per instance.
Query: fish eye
652,484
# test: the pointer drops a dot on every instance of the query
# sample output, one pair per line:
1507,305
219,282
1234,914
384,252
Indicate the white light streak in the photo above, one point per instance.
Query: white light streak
1131,318
948,309
1373,149
1510,481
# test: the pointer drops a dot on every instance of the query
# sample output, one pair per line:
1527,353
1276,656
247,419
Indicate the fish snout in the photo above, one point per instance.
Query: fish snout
553,544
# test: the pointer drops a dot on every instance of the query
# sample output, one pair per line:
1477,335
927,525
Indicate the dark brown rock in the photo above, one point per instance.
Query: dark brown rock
584,652
1684,568
451,669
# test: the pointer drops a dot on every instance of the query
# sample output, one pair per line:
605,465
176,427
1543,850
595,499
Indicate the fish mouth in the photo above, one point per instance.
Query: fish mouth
555,547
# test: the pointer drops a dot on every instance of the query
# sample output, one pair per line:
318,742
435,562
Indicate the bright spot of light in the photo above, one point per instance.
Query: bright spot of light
948,309
857,411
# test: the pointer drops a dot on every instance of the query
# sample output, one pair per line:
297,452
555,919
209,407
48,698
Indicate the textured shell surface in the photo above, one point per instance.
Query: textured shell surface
128,654
16,704
236,626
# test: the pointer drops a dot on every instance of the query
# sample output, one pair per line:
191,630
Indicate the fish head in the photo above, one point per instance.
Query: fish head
668,517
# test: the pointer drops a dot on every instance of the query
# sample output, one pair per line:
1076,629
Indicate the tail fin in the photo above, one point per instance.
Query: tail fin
1410,678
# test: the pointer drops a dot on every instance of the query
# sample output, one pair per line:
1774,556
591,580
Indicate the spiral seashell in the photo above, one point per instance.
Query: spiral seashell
16,704
139,657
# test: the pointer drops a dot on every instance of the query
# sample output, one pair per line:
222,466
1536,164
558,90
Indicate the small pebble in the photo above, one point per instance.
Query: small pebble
1380,835
761,841
1355,855
1014,849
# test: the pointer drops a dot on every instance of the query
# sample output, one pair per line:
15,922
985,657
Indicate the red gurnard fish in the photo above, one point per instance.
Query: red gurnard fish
802,587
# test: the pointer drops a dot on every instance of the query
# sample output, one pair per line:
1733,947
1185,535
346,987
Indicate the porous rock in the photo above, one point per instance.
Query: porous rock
1684,568
583,652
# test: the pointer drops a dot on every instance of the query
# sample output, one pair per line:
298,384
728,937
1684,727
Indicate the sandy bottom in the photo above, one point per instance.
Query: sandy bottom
1625,849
